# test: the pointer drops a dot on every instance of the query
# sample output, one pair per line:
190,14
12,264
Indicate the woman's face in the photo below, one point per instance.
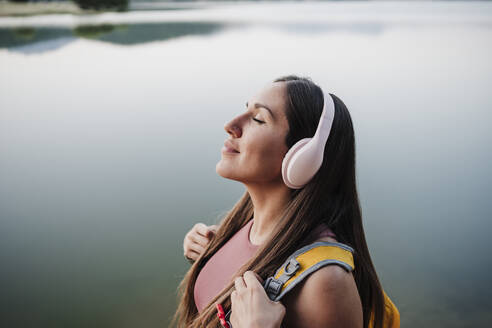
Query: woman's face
259,137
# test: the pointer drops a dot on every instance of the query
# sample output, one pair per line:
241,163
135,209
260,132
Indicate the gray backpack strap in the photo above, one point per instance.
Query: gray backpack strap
274,286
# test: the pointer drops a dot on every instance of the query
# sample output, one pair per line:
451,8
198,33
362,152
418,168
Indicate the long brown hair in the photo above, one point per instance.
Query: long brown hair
330,197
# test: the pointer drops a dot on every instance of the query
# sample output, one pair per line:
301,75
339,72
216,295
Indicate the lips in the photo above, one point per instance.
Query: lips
230,146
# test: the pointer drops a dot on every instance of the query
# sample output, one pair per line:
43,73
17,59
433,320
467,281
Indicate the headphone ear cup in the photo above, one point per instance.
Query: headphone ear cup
288,157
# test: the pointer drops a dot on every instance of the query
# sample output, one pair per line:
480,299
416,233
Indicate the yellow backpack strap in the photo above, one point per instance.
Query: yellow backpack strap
309,259
391,314
305,261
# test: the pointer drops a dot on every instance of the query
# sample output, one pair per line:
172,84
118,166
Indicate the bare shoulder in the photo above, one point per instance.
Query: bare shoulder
328,297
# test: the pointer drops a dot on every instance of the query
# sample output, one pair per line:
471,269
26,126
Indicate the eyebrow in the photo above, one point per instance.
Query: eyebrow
257,105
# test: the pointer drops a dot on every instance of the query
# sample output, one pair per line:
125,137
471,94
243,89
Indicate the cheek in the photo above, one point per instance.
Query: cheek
267,150
276,148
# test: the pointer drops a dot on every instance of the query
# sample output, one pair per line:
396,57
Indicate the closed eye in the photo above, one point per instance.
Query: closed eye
260,122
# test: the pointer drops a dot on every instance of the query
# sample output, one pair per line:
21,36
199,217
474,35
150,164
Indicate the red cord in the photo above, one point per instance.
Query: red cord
221,315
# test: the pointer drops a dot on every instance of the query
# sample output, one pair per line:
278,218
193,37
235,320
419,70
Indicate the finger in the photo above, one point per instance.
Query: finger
201,228
210,233
196,248
192,255
200,240
212,230
239,283
232,318
260,279
251,280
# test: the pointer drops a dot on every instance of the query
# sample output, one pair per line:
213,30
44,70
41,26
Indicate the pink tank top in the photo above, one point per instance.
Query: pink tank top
222,266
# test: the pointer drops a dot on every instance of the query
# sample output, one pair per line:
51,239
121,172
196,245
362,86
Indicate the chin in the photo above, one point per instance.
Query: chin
225,172
221,170
218,169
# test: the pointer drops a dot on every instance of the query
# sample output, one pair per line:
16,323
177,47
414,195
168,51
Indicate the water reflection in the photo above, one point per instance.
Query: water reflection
123,34
371,28
19,39
14,37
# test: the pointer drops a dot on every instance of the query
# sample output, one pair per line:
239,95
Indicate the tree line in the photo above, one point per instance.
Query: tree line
96,4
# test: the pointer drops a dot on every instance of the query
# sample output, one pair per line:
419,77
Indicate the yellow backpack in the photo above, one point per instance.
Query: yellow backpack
310,258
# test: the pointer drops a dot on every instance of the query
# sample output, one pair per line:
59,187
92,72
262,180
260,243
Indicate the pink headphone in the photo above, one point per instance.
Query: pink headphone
304,158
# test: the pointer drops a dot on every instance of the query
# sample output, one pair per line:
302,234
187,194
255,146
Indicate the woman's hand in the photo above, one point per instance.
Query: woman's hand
197,239
250,305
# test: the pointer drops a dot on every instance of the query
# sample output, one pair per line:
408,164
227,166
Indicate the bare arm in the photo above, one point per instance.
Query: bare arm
327,298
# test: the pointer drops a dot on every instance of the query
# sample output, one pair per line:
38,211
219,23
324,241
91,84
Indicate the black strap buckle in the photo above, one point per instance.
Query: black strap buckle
273,287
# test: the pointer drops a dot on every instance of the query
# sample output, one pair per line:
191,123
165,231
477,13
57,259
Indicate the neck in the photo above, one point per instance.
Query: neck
269,200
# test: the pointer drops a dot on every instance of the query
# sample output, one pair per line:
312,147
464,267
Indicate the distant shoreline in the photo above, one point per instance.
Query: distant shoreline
17,9
41,8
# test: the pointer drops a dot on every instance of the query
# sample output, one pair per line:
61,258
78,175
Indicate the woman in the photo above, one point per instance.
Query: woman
271,221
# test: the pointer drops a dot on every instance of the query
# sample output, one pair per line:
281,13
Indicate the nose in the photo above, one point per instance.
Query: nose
232,129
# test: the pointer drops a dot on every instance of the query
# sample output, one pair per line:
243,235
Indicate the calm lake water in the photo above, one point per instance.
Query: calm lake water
111,126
